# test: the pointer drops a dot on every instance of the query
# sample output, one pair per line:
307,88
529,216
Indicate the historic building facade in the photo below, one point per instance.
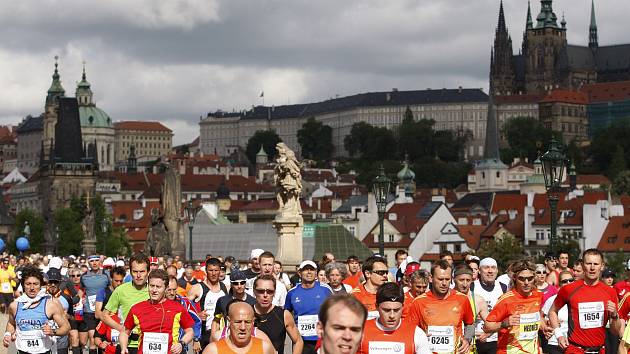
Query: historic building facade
460,110
150,140
546,61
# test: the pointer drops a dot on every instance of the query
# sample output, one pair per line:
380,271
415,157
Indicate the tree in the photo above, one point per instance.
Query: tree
618,163
315,138
369,142
36,225
265,138
527,137
605,143
621,184
616,261
502,250
68,225
356,141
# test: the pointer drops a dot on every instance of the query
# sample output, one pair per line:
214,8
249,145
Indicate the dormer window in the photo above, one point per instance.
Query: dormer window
91,120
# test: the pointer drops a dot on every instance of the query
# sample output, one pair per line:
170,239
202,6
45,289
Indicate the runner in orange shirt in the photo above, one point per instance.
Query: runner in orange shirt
442,312
354,271
419,281
388,333
375,272
517,316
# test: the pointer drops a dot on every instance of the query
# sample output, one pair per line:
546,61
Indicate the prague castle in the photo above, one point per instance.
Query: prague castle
545,60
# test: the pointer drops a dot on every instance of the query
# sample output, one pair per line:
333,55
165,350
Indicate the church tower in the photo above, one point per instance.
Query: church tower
51,112
592,29
502,78
544,43
491,172
84,91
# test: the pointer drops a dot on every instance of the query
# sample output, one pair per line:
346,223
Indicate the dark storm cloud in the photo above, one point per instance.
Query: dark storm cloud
176,59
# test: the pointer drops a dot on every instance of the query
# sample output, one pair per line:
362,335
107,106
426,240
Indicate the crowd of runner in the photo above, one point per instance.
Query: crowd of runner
160,305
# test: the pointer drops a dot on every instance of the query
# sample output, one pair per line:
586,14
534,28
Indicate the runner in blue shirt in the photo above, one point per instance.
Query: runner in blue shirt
92,282
304,301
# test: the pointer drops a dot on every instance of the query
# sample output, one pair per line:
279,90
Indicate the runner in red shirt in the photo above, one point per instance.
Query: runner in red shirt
158,320
442,312
354,269
591,304
623,287
388,333
517,314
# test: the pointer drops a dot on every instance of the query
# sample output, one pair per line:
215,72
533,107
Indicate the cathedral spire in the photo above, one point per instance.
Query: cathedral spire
501,25
491,146
546,17
592,29
55,90
530,23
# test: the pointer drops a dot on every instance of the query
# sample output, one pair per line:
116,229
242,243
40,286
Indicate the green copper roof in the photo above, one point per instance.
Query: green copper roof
92,116
83,83
406,174
261,152
55,87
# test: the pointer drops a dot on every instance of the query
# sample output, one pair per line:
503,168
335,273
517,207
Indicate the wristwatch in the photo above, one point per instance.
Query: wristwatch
196,340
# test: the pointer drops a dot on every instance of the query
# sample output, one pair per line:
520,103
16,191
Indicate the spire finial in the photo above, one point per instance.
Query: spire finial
501,26
592,29
563,23
530,23
83,76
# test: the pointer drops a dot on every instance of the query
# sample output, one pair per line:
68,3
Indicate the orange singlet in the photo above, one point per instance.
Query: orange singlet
255,348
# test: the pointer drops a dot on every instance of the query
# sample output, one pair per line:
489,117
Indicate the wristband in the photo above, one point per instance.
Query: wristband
558,332
7,333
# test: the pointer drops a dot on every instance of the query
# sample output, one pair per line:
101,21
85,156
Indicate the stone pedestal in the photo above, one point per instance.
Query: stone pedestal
88,246
289,231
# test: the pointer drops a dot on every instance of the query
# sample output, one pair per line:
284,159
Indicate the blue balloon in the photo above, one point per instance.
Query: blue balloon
22,244
2,245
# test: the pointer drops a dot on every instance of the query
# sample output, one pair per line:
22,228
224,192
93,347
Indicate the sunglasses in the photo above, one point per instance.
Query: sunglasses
75,276
265,291
567,281
381,272
539,272
239,282
525,279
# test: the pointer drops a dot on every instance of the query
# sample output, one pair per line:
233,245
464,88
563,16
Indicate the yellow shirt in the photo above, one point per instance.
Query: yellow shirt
5,281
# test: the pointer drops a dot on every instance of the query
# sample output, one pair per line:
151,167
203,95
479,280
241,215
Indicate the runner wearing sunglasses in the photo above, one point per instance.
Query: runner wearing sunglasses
566,278
517,314
375,272
237,291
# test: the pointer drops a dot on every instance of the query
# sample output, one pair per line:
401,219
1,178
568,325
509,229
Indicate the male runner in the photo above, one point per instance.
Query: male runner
442,312
340,326
92,282
171,294
388,333
206,294
267,261
490,289
375,272
158,320
127,295
354,270
463,280
591,305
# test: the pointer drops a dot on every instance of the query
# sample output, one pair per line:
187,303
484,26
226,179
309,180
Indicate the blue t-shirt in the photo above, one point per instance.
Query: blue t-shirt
91,284
306,302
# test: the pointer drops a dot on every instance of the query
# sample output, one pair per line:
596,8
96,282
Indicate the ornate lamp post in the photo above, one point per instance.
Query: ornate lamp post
191,222
553,163
381,186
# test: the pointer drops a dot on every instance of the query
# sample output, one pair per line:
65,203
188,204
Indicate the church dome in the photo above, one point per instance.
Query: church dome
406,174
94,117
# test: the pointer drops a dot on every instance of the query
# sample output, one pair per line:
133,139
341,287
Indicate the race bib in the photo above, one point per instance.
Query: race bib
6,287
32,341
307,325
92,302
528,328
114,334
591,314
377,347
155,343
441,339
372,315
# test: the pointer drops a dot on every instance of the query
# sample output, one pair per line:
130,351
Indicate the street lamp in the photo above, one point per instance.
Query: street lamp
381,187
191,221
553,163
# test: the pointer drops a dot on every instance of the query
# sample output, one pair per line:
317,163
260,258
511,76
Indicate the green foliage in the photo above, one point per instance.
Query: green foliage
617,261
606,141
315,138
369,142
267,138
618,163
569,245
502,250
36,224
621,184
527,137
70,235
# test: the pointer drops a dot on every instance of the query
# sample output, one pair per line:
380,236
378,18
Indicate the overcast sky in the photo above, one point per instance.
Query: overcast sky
176,60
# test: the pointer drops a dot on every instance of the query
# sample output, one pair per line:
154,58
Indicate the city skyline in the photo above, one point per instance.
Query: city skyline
146,60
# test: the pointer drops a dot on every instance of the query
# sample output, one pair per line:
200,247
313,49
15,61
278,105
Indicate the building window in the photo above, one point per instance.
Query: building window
443,247
540,235
390,238
458,248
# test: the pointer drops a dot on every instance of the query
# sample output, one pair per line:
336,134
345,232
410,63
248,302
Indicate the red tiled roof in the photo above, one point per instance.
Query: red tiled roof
616,236
347,178
405,222
317,176
472,234
426,194
523,99
566,96
514,226
543,214
507,202
346,191
592,179
141,125
607,91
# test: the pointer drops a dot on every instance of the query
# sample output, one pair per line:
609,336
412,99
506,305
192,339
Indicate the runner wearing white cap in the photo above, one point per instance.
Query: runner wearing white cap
490,289
304,301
